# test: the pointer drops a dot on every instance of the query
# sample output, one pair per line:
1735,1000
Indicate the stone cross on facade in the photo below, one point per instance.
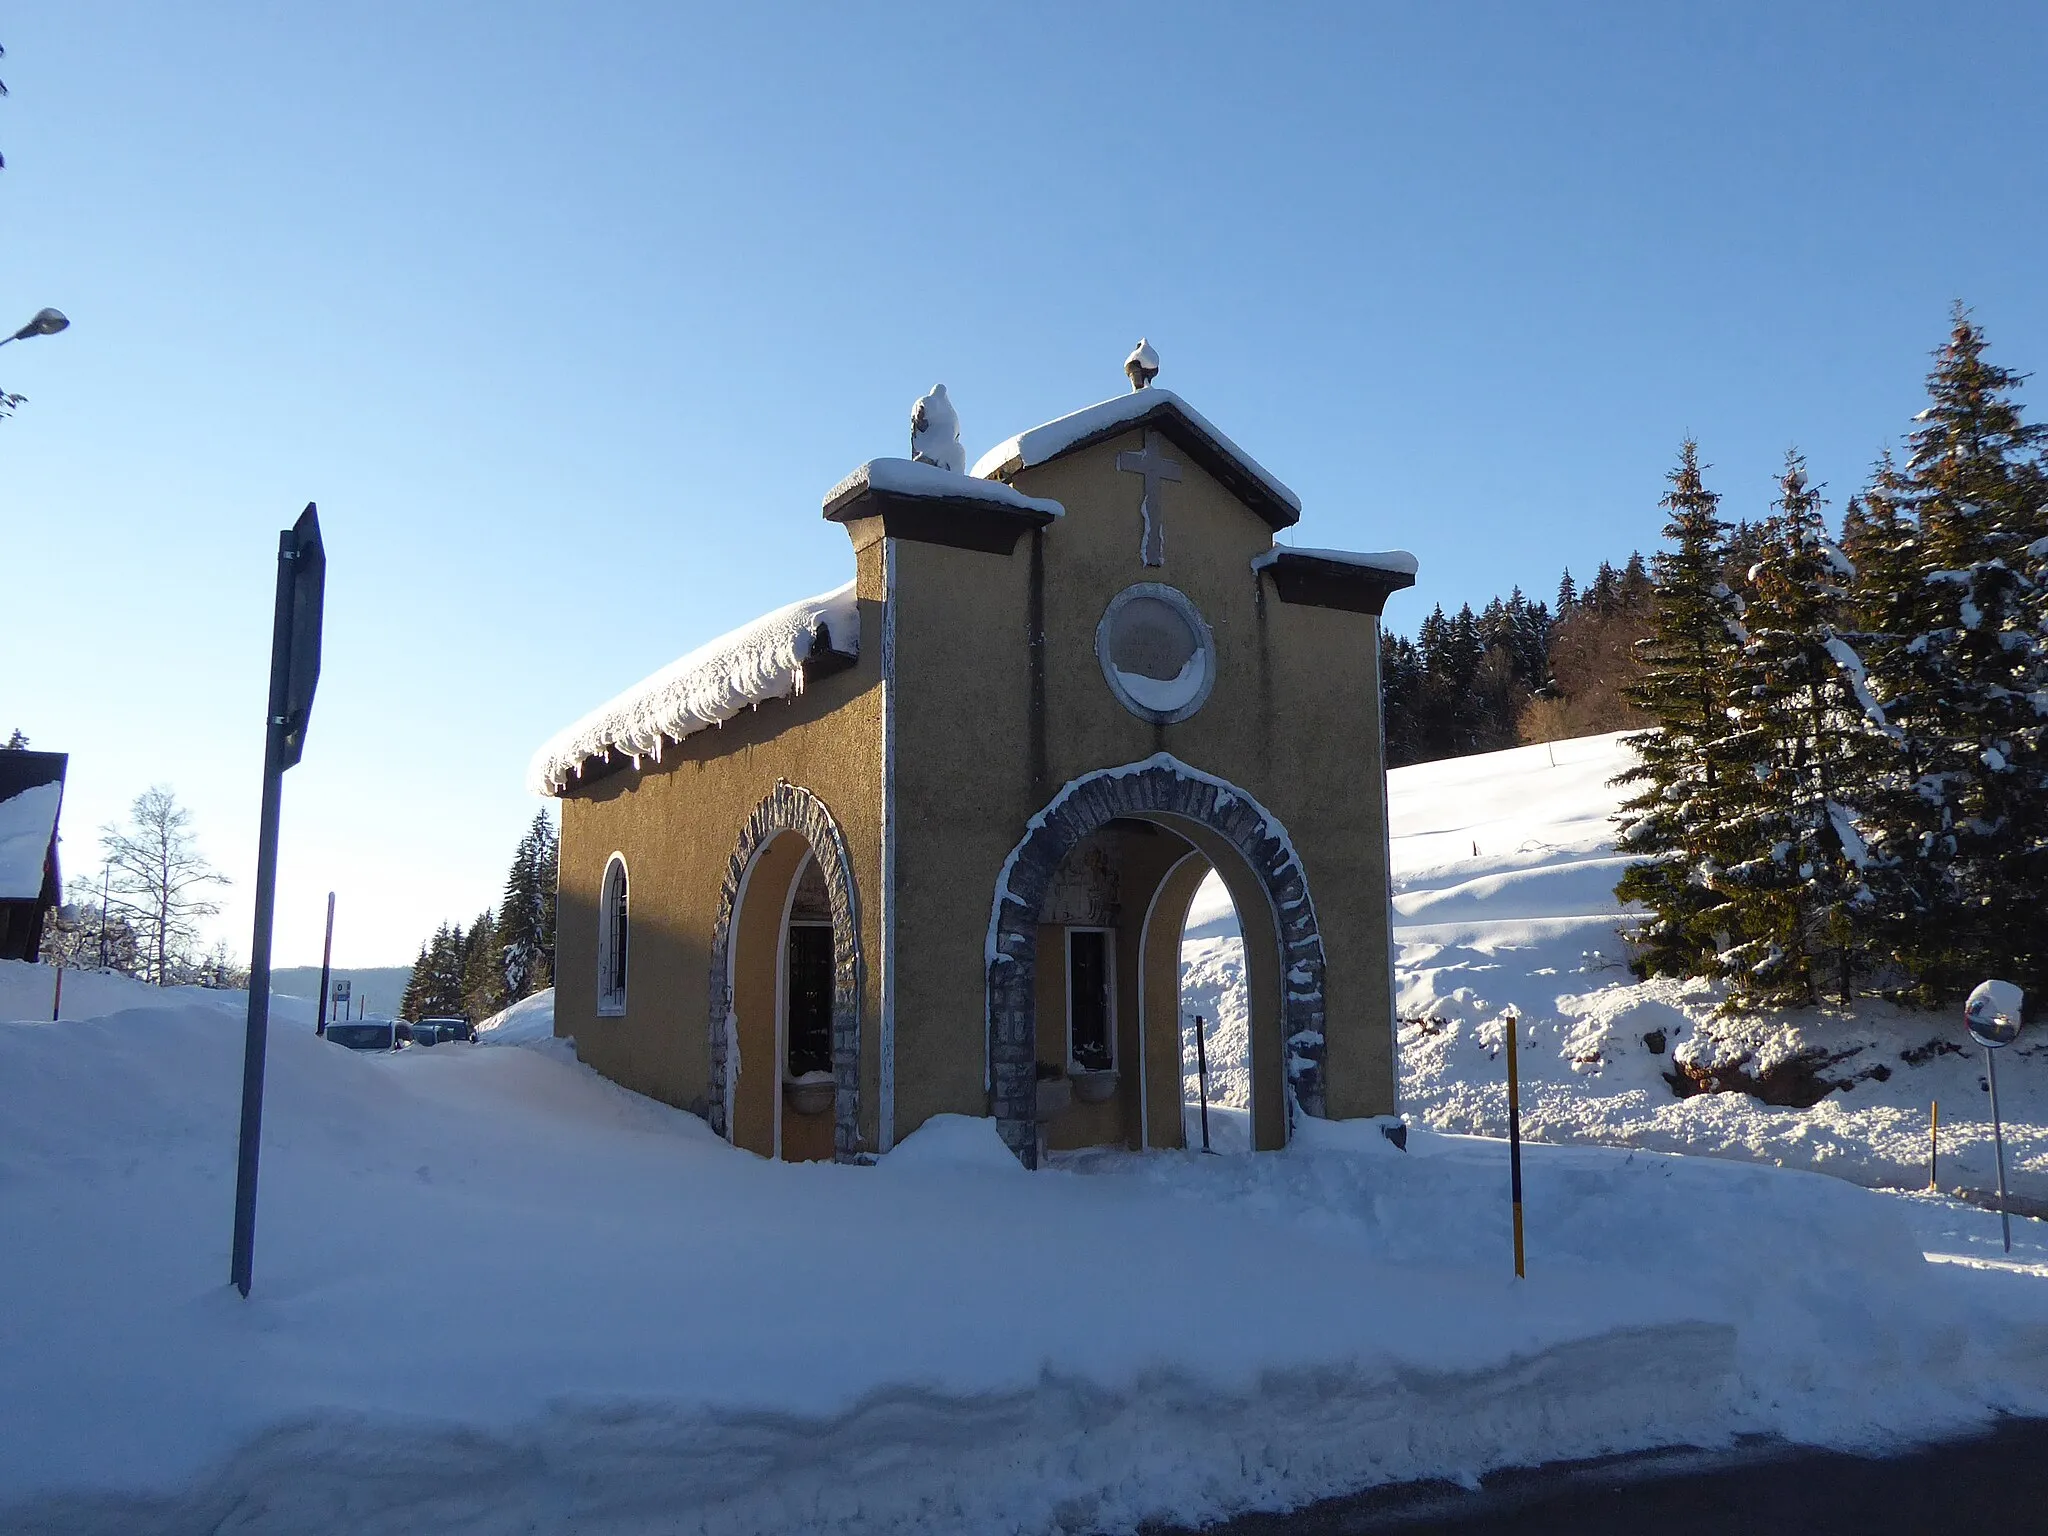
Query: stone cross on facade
1155,466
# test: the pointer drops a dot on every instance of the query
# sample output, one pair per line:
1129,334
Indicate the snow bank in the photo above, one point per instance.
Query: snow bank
27,823
1056,437
529,1021
495,1291
955,1141
755,663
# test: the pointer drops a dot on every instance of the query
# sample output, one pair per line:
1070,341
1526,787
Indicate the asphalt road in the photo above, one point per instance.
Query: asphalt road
1995,1483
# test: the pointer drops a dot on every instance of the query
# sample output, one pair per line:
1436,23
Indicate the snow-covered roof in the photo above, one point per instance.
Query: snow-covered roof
28,821
1396,562
909,477
755,663
1148,407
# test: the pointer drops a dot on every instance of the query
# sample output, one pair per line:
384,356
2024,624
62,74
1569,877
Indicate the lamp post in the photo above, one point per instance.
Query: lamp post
47,322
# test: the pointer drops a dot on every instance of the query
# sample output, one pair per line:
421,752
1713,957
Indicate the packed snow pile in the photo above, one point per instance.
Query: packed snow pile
494,1291
27,823
755,663
529,1021
30,992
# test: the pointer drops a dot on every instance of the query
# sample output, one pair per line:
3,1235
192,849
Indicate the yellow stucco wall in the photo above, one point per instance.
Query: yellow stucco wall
1293,719
677,823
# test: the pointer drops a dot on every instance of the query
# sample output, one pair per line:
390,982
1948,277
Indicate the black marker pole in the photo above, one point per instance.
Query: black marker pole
1513,1020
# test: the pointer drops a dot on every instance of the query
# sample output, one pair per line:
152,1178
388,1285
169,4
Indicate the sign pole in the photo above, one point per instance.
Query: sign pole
1513,1020
326,954
1202,1078
294,669
1998,1141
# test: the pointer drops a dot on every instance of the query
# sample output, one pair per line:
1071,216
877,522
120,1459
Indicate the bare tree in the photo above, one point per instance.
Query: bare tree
157,869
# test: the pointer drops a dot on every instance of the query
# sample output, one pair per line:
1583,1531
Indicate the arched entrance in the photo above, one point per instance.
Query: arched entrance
788,882
1255,857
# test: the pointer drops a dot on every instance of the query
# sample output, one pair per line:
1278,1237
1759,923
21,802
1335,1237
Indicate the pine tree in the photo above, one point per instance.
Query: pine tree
410,1004
1965,680
483,970
526,915
1677,824
1797,887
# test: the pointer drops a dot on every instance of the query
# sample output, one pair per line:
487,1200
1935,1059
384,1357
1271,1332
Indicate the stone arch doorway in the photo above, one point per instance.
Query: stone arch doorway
1257,860
788,877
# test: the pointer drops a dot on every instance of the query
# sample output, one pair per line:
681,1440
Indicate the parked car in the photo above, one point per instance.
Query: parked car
366,1035
449,1028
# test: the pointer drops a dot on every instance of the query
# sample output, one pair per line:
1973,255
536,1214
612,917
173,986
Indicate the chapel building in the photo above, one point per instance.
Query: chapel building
925,844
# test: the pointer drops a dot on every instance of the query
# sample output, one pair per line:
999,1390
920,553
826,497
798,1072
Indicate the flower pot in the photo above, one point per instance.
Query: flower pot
811,1094
1096,1087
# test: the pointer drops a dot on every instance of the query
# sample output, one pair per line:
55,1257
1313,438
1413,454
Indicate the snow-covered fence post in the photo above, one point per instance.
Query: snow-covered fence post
294,670
1994,1013
1513,1020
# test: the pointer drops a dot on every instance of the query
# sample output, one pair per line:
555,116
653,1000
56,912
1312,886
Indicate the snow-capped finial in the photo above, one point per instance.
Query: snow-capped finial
1142,365
935,432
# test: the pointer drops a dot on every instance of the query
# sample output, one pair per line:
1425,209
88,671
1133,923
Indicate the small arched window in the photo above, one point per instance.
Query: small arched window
611,940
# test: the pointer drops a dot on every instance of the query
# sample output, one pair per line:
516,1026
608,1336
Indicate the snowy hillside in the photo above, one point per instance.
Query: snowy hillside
494,1291
1504,873
1504,869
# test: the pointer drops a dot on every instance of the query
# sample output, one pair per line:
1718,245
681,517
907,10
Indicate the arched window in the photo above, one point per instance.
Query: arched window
611,940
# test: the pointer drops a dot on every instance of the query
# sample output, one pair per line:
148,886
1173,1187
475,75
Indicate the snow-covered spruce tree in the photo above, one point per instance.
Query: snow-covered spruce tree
1677,823
483,970
415,988
526,915
1803,755
1964,677
435,988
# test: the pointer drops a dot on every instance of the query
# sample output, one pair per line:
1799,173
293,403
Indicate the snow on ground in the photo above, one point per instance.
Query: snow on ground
496,1292
530,1021
1504,871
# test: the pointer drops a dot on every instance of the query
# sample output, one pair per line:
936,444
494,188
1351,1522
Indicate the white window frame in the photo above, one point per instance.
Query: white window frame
612,1004
1109,958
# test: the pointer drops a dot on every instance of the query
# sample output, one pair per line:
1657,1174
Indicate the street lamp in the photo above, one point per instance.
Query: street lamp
47,322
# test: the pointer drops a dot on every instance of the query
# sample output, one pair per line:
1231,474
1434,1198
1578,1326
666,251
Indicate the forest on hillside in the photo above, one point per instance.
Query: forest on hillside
1842,725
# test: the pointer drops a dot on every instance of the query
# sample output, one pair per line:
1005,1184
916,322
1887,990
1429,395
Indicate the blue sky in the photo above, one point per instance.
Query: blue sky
567,317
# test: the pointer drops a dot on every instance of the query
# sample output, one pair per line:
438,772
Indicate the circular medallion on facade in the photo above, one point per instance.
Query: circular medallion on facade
1156,653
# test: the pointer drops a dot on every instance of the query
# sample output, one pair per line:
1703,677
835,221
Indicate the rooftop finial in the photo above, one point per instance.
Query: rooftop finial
935,432
1142,365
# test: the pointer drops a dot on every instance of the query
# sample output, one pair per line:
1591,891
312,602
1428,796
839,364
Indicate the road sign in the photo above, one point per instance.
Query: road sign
294,672
341,993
